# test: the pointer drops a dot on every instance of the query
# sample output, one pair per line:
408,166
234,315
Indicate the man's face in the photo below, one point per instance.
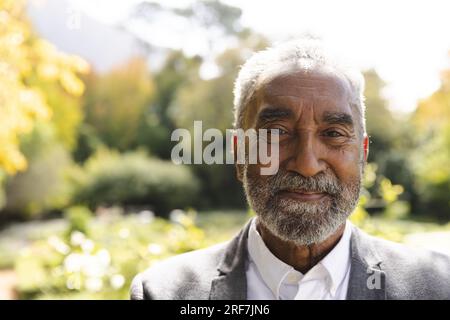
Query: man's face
320,156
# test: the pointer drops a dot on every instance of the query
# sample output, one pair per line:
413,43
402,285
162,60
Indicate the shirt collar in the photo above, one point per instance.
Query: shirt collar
273,271
337,261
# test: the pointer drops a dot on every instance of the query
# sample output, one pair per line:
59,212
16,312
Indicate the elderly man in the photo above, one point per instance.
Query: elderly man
301,245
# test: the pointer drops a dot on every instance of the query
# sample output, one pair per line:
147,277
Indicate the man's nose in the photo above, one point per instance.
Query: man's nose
306,159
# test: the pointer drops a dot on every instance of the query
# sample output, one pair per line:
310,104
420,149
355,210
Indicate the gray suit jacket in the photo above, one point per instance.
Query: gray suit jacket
380,269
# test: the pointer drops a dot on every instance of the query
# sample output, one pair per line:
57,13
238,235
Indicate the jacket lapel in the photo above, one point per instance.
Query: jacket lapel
367,278
231,283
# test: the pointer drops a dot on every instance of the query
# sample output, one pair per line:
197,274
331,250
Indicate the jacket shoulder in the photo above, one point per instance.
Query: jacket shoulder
181,277
411,272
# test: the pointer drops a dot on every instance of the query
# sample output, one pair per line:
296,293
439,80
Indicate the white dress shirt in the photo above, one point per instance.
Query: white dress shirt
270,278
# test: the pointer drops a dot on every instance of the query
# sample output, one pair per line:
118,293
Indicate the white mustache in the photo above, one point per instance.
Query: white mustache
321,183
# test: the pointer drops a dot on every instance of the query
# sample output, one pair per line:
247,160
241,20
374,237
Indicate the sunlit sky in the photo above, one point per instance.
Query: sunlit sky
407,42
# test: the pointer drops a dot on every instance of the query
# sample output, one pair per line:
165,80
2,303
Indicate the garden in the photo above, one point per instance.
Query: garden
89,196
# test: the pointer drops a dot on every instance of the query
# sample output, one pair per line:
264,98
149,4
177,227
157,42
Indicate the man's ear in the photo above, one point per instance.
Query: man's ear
366,147
239,167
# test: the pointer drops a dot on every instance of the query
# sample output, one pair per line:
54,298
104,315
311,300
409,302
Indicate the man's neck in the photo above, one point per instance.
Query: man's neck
301,258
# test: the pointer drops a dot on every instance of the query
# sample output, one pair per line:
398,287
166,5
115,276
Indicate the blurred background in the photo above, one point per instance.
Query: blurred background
90,92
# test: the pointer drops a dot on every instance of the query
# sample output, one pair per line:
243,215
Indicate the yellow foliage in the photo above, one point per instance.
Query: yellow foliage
389,191
24,56
359,215
433,113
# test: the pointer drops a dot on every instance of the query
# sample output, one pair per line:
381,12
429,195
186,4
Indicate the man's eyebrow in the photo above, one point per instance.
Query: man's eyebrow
274,113
337,118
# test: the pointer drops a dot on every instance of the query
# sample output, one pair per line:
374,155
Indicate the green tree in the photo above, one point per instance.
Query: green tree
156,125
211,101
39,85
390,139
380,123
116,102
431,158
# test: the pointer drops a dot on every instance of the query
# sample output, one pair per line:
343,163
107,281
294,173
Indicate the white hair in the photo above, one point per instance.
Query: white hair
302,54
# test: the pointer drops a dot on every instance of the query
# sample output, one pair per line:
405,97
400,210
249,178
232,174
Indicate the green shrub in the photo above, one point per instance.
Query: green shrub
42,187
432,174
78,218
2,191
101,263
133,178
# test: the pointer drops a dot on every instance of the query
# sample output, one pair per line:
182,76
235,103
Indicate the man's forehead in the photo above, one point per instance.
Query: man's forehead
306,84
287,86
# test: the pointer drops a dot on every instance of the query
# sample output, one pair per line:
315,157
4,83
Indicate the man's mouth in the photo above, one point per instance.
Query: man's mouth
302,195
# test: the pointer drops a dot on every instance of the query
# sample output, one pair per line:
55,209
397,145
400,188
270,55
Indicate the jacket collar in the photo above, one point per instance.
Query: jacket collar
367,279
231,283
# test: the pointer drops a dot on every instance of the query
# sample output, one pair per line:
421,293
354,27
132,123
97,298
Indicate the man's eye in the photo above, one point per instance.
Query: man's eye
333,134
279,131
